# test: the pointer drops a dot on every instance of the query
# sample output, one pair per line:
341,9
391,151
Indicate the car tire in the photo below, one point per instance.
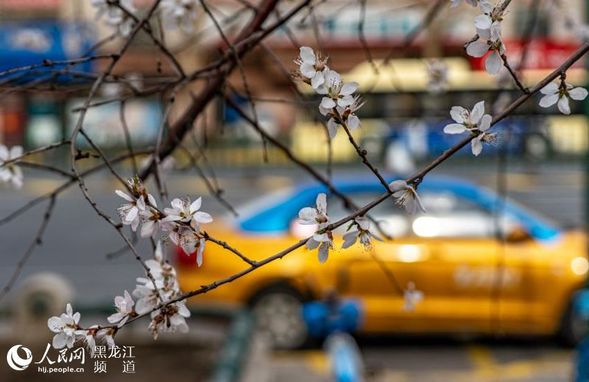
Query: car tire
278,311
573,328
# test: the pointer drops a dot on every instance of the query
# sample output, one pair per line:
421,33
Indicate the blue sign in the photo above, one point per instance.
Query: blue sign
33,43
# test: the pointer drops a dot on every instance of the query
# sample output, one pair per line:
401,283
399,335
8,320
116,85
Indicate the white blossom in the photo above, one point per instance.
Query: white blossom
107,335
337,93
406,196
489,20
192,241
181,13
124,305
90,340
170,318
130,212
115,16
554,93
412,297
66,328
362,232
11,173
184,211
339,103
476,122
311,66
151,218
318,216
489,40
146,295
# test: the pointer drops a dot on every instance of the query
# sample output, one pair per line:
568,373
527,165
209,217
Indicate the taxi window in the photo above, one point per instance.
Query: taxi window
452,216
392,220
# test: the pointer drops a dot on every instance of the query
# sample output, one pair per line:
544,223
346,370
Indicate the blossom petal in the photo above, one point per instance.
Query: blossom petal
317,80
202,217
349,239
147,228
458,113
3,153
312,244
548,100
349,88
477,112
308,70
195,206
307,55
493,63
59,341
578,94
485,123
322,202
323,253
308,214
55,324
15,152
454,128
332,128
477,49
398,185
345,101
477,145
483,22
177,204
327,103
353,121
551,88
563,105
124,196
151,200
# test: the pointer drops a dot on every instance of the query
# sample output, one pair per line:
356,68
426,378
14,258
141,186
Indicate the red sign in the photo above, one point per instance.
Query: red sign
29,4
540,54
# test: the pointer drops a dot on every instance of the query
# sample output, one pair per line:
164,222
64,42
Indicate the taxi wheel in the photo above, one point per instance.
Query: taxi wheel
278,313
573,328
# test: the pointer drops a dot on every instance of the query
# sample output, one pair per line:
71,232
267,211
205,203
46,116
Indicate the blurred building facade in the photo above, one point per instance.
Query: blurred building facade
36,118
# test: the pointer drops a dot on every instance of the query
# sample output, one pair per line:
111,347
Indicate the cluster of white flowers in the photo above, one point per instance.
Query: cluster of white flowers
475,122
115,16
151,294
180,13
68,331
10,172
169,318
488,26
180,223
561,94
338,103
361,233
358,230
318,216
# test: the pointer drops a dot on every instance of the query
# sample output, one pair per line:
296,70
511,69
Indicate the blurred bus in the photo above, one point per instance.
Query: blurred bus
400,109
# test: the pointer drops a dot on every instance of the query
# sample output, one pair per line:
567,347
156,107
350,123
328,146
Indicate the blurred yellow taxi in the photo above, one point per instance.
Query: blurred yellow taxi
479,271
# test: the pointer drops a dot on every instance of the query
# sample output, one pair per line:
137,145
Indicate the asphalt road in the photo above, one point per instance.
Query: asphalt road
438,360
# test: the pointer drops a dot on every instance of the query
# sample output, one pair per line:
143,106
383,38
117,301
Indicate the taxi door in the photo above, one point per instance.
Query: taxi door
449,254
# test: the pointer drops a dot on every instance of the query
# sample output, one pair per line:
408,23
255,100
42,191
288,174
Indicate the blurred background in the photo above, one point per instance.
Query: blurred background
540,161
